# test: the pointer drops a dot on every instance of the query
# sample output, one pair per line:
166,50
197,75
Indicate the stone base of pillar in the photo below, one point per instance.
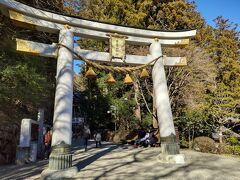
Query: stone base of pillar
169,145
68,173
170,148
61,157
170,151
60,163
172,159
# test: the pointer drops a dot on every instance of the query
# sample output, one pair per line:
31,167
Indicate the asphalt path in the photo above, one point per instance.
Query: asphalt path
113,161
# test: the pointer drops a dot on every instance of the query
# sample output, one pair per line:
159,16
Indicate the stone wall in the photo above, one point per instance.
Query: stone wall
9,135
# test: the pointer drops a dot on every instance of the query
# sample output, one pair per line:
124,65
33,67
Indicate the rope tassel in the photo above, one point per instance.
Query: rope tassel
110,79
144,74
90,73
128,80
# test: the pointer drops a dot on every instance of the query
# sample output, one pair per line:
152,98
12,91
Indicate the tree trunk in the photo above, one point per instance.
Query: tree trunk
221,134
189,138
154,111
136,97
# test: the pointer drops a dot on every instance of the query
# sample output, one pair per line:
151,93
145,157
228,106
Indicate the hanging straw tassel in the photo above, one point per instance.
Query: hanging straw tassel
144,74
90,73
110,79
128,80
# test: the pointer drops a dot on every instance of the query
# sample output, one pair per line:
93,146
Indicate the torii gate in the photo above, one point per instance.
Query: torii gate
66,26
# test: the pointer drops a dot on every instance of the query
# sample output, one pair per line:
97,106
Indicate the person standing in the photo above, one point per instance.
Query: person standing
98,139
47,138
86,136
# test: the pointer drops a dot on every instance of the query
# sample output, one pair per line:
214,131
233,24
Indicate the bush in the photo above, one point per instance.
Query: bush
235,150
184,143
204,144
108,136
232,140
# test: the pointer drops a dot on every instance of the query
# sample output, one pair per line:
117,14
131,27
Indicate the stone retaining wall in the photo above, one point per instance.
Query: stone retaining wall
9,135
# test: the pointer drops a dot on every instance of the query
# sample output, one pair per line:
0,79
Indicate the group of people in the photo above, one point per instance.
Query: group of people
47,140
146,138
87,134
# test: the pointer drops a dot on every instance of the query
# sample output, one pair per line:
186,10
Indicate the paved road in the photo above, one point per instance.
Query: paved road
125,162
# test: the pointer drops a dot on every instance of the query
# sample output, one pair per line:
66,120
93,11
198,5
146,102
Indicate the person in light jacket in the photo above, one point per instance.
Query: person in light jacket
86,136
98,139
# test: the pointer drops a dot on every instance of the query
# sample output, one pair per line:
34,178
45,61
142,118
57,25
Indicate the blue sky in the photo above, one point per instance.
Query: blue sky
209,10
76,63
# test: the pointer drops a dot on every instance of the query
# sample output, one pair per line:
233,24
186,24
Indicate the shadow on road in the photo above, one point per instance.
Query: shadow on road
33,170
113,161
23,171
82,164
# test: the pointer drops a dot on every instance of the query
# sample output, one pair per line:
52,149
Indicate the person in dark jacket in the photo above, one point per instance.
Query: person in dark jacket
47,138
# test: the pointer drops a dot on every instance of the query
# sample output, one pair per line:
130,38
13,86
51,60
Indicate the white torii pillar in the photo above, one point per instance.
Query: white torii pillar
169,146
61,157
62,119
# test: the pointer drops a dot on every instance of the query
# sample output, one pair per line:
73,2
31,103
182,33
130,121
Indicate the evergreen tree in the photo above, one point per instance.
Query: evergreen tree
224,98
26,82
166,15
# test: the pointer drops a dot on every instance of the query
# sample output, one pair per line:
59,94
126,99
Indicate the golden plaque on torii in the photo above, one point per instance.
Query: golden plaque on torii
117,46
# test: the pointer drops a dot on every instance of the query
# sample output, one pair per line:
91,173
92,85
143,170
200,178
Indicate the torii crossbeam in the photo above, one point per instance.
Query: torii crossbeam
29,17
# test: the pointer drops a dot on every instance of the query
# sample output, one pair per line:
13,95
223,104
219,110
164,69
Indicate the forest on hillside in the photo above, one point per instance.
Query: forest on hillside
204,96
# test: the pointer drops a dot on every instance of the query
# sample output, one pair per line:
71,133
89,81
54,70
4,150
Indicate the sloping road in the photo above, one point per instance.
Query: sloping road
125,162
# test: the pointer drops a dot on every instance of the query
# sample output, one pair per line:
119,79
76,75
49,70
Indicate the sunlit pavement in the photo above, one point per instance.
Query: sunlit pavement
125,162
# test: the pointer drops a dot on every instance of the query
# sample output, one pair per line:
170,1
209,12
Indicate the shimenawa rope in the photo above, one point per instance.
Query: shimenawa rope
110,68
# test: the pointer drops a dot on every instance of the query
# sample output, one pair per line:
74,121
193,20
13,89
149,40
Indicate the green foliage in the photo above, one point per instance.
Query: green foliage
126,116
184,143
115,11
107,105
223,47
26,82
193,123
26,85
235,150
174,15
205,90
23,80
147,120
166,15
232,140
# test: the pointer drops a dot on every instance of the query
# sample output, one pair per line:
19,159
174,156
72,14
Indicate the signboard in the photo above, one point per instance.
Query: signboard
78,120
117,46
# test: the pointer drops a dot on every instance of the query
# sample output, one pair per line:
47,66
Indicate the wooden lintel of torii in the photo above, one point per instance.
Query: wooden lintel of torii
50,50
28,22
50,22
